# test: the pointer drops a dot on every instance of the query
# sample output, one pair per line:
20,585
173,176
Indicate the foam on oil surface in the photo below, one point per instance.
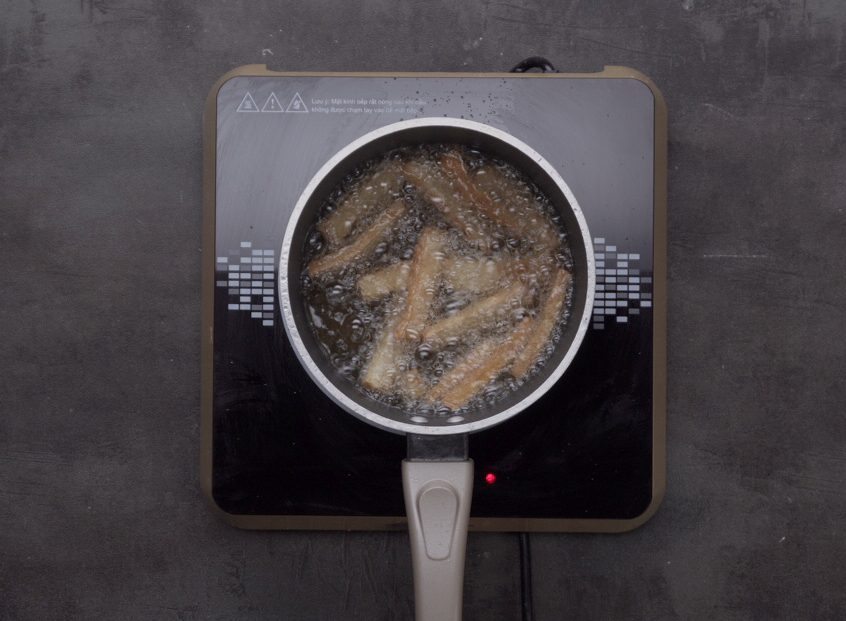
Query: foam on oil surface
349,327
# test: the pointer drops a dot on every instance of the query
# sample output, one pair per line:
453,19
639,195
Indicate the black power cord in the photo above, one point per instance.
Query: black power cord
534,62
527,604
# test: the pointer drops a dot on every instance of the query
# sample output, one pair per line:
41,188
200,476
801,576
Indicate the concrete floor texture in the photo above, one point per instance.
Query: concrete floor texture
101,515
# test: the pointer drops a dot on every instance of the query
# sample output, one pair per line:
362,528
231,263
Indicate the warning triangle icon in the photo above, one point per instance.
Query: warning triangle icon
297,104
272,104
248,104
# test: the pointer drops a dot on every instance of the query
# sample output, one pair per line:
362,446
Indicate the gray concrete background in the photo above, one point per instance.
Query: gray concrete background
100,511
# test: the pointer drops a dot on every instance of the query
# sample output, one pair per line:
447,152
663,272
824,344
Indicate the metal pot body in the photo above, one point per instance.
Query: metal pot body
415,132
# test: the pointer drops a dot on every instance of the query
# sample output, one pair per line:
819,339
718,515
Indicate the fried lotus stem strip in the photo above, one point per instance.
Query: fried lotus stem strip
510,204
544,324
479,367
370,193
382,372
438,190
472,275
461,274
426,267
385,281
512,221
412,384
362,246
475,316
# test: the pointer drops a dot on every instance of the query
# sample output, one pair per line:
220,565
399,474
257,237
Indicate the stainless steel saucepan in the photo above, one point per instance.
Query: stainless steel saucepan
437,475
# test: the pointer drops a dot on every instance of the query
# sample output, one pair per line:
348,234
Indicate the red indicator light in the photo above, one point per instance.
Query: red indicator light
490,478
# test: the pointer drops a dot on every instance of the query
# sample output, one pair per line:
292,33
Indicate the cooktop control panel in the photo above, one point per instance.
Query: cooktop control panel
277,453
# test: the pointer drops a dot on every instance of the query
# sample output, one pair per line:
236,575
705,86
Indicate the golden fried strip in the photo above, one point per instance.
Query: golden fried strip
461,376
461,274
381,371
544,323
411,384
489,179
538,267
475,316
361,246
511,221
426,268
370,193
472,275
385,281
512,204
438,190
479,367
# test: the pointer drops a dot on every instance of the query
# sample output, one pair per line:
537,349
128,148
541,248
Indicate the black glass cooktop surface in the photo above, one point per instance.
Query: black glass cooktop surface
279,454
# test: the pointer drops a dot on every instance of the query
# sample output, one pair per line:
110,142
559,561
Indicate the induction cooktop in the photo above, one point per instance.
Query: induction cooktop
278,454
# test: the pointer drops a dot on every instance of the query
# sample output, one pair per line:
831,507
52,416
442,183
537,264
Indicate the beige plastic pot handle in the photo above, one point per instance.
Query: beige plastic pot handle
437,502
